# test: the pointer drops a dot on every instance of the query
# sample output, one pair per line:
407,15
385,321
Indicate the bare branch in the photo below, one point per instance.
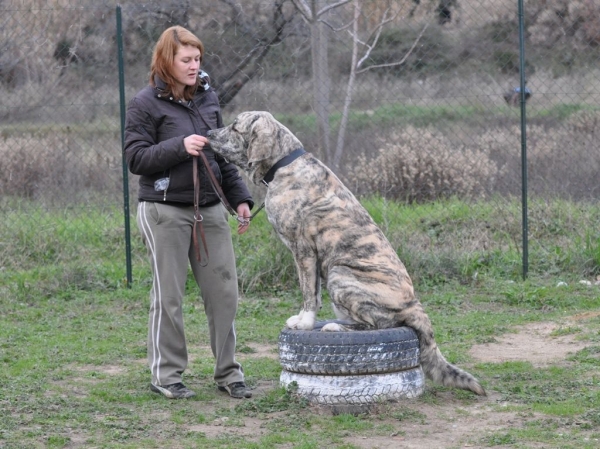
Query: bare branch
371,47
402,61
236,7
229,87
304,9
239,17
383,22
348,25
335,5
377,33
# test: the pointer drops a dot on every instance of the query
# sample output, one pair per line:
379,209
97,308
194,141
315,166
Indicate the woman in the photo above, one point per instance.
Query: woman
166,125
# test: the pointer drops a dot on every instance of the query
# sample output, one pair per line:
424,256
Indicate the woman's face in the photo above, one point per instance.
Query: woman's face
186,65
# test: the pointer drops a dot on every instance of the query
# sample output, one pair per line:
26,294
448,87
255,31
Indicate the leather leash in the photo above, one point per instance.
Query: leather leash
219,191
198,228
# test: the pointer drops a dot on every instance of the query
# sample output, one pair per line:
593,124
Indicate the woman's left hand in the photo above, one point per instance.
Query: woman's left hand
243,212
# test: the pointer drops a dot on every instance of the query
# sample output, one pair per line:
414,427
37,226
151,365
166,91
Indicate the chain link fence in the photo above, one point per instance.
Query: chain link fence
417,101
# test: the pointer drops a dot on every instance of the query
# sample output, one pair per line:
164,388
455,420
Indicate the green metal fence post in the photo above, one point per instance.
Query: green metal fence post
125,173
525,224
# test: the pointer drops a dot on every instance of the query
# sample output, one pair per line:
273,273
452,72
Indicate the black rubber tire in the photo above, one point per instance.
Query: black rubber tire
356,390
348,353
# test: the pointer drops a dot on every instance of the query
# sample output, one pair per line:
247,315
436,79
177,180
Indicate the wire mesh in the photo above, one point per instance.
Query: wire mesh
416,101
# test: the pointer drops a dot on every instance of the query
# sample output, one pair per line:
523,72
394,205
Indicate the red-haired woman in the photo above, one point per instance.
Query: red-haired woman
166,125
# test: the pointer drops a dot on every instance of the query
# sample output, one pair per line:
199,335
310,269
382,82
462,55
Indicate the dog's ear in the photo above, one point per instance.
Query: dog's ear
263,137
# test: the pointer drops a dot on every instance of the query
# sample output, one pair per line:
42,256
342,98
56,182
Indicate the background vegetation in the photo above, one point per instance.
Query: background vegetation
61,132
433,149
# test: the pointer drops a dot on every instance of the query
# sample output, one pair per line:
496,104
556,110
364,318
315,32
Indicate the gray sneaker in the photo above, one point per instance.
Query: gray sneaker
173,391
237,390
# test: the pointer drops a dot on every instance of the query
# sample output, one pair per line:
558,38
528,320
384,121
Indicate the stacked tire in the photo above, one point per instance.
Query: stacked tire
351,368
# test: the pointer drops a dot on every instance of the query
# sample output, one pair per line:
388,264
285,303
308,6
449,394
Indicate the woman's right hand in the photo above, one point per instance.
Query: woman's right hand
194,144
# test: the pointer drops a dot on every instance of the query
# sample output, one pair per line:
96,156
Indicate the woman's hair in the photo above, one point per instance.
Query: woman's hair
163,58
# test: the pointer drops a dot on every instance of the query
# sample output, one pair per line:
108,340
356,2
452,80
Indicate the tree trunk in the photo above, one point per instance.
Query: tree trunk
339,149
321,81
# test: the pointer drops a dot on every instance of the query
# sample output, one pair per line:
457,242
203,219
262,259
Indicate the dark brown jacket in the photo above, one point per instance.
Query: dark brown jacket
155,126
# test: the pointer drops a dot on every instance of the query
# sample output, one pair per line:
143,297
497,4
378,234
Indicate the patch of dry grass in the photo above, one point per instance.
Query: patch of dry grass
424,164
57,165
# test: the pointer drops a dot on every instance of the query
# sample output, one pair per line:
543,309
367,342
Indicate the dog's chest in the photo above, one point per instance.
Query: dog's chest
304,201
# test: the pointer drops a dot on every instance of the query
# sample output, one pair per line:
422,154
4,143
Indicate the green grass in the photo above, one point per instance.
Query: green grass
72,337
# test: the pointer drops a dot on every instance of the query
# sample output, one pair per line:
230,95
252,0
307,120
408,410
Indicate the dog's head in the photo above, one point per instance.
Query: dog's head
255,141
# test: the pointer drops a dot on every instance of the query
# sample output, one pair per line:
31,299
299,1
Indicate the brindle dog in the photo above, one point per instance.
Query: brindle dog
333,239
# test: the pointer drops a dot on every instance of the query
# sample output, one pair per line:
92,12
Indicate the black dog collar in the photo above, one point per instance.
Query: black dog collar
282,163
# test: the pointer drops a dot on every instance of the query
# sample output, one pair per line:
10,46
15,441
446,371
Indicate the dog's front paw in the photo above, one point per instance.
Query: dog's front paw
292,322
304,321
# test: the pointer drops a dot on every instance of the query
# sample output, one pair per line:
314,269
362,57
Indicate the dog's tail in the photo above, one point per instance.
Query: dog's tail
438,369
434,364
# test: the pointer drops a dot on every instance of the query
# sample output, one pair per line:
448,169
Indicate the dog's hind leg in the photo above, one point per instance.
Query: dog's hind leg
348,325
340,314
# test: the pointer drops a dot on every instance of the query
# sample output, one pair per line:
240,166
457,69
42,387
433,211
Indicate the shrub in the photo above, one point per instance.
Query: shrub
419,165
585,122
573,21
58,166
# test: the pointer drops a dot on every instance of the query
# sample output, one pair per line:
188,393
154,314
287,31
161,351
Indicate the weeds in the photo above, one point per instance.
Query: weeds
280,399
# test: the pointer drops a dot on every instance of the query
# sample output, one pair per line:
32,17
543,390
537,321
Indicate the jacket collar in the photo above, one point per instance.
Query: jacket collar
159,83
160,89
204,83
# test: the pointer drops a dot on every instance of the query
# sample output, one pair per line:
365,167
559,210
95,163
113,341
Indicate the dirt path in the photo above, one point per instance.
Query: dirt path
534,343
447,423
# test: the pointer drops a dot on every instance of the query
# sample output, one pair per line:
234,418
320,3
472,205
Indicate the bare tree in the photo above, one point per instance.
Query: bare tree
314,13
356,66
229,84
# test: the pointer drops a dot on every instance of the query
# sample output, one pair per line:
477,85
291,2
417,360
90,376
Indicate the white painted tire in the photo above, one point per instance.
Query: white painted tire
356,390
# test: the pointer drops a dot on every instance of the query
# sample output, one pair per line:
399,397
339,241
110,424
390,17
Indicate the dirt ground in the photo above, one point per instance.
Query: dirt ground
448,423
